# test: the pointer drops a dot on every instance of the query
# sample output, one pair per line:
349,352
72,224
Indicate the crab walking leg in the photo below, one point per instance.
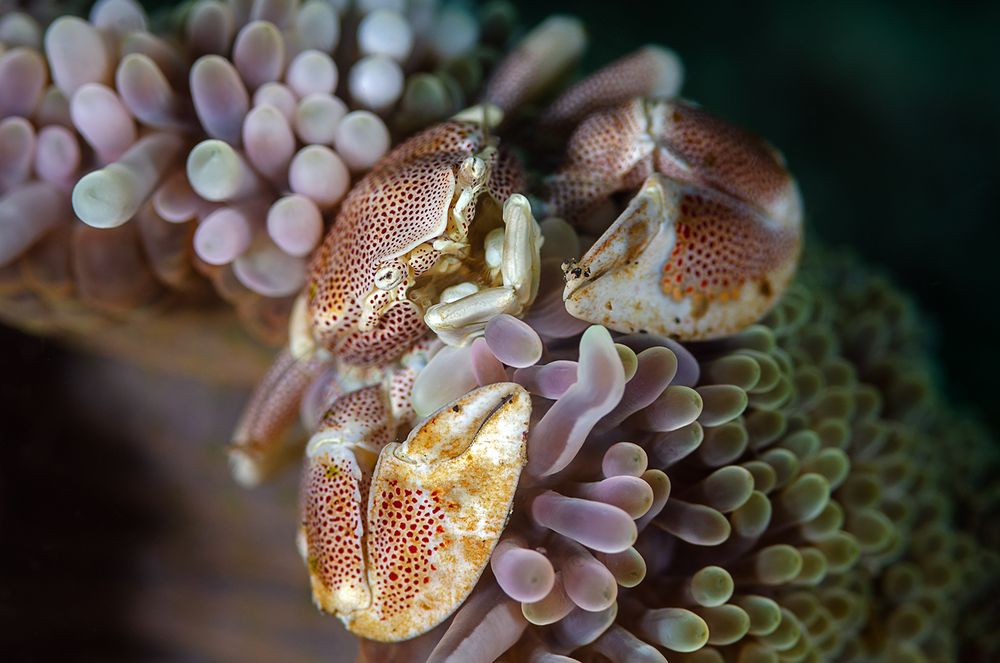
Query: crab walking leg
545,55
651,71
438,503
458,321
608,152
259,445
685,261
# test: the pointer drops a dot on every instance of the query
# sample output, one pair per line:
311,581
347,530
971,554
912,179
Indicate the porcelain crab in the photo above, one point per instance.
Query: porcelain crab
434,239
434,242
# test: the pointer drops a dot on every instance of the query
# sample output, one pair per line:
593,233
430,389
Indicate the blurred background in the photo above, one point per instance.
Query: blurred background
121,536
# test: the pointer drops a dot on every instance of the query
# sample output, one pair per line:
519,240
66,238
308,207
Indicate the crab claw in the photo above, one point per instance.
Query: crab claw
684,261
436,506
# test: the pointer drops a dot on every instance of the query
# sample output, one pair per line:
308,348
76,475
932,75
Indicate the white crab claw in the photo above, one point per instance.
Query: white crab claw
683,261
436,507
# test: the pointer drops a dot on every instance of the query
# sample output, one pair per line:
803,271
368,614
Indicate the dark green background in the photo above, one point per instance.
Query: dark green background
889,115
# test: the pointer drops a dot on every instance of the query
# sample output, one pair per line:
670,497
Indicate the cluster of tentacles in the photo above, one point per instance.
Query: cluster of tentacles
797,492
189,162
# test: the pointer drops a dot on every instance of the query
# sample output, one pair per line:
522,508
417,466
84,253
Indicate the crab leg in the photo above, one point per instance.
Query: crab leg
259,445
260,442
651,71
434,507
541,59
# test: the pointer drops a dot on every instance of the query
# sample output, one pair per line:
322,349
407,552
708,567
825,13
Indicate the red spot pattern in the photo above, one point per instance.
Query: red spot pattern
506,176
400,389
400,327
721,244
721,156
634,75
604,155
274,406
398,203
333,494
611,152
511,81
407,529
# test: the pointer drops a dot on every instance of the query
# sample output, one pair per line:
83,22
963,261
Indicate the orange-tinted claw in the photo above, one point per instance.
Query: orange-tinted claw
438,504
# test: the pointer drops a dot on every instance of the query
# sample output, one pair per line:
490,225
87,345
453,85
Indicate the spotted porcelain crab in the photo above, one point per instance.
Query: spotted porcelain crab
434,239
433,243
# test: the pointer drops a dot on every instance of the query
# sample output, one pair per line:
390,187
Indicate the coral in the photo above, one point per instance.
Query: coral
797,492
204,150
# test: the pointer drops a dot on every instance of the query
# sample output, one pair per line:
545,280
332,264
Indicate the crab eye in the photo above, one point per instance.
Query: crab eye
388,277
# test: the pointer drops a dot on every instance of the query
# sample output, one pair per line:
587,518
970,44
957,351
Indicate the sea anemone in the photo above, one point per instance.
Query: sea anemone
797,492
151,168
